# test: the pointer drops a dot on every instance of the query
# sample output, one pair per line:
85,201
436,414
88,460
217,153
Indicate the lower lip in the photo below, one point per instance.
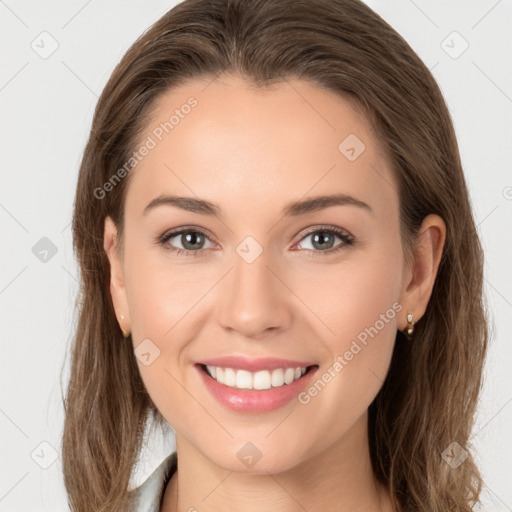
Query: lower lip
255,401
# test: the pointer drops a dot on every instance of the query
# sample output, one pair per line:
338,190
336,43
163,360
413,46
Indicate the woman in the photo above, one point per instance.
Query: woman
278,259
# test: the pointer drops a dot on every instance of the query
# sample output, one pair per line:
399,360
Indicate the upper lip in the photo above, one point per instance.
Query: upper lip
253,365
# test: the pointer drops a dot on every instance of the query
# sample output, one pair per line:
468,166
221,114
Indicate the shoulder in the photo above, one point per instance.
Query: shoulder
148,496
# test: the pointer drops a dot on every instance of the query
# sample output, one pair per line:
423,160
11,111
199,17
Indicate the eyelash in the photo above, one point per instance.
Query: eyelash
347,239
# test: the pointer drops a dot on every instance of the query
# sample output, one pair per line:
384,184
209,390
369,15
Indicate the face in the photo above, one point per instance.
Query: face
321,286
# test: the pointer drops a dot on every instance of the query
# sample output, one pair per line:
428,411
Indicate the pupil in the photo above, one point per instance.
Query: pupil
191,239
322,237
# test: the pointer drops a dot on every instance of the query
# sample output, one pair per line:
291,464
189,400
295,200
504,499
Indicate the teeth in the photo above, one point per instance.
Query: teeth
243,380
289,375
264,379
229,376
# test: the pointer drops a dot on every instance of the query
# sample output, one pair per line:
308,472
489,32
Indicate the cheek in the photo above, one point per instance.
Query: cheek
161,293
165,312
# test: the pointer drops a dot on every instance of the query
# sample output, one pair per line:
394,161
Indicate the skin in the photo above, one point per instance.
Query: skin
252,151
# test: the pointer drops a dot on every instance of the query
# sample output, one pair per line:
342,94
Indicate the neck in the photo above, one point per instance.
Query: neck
338,479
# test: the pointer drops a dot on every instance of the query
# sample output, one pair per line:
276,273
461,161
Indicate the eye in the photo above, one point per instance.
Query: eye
323,237
191,240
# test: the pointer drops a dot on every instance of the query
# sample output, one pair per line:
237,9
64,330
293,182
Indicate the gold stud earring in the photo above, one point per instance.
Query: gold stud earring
410,321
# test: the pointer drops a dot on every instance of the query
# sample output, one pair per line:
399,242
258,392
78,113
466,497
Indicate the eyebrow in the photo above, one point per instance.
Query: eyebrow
293,209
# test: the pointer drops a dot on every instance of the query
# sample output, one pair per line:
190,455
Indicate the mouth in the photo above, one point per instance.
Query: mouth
259,391
240,379
255,385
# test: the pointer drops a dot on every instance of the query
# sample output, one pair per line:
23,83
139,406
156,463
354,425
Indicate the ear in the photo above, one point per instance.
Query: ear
421,277
117,286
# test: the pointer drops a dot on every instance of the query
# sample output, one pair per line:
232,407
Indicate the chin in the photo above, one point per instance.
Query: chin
246,457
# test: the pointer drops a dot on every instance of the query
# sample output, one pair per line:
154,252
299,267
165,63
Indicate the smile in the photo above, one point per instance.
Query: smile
264,379
261,391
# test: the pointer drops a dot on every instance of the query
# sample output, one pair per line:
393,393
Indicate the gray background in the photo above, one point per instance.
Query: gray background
47,103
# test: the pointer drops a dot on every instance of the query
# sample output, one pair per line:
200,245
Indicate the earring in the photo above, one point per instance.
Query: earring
125,333
410,321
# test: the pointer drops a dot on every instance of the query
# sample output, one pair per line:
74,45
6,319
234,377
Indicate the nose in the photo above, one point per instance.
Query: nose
256,302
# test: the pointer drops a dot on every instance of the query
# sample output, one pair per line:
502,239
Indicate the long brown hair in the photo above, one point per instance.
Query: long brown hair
429,397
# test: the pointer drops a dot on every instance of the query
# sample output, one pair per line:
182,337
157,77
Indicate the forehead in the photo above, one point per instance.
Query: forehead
225,139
